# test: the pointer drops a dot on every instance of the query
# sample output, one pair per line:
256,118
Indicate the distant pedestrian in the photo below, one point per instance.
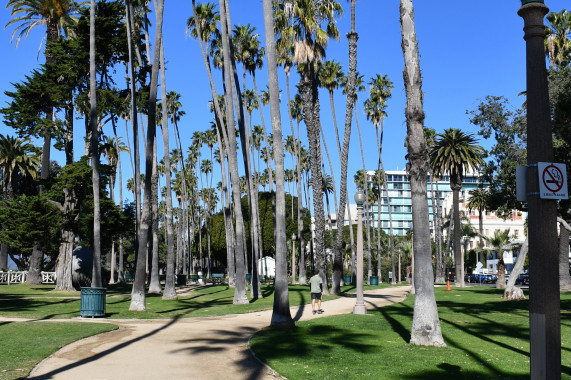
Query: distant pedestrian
316,289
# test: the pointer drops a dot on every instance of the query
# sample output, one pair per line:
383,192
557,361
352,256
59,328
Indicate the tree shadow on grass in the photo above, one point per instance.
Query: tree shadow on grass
401,310
319,338
21,306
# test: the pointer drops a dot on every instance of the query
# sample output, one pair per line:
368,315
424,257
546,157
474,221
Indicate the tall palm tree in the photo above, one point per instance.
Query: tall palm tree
479,199
111,149
281,316
295,111
497,242
96,281
240,292
169,291
455,152
430,137
375,109
311,24
557,42
425,322
138,292
58,16
351,87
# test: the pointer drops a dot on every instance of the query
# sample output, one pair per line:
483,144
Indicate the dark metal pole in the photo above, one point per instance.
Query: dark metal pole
544,307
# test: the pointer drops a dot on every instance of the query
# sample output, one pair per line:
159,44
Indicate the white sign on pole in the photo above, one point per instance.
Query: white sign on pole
552,181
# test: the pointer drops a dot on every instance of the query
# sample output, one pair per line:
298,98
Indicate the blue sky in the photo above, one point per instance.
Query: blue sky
469,49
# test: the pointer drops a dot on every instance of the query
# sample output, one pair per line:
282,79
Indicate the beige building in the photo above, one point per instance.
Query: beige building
491,223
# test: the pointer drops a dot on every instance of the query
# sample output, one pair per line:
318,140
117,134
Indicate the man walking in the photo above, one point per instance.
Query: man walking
316,289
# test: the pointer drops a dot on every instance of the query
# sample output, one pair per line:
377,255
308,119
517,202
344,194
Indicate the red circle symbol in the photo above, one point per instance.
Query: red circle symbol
552,178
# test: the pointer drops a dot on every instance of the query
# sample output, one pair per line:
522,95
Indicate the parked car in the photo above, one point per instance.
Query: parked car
523,279
483,278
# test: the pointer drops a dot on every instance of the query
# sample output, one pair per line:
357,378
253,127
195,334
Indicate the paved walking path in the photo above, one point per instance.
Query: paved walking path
189,348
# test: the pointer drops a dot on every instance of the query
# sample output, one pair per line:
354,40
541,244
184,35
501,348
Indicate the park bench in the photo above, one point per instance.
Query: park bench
217,278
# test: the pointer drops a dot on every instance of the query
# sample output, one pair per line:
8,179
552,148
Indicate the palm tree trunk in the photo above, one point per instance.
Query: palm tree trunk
391,235
155,284
138,292
425,323
281,316
458,261
96,273
308,89
169,291
240,292
133,117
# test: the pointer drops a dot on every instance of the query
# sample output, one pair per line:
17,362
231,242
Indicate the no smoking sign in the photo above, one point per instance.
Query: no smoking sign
552,181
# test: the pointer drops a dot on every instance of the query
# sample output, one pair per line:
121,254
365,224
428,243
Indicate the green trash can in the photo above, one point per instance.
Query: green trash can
181,279
347,280
92,302
374,281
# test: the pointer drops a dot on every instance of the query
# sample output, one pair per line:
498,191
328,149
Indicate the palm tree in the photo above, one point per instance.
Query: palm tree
478,200
96,281
468,232
295,110
430,137
281,316
240,292
557,42
425,322
309,40
497,242
111,149
169,291
58,17
375,109
138,292
17,156
453,153
330,75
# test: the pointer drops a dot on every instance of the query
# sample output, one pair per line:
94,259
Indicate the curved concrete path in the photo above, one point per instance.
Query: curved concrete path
189,348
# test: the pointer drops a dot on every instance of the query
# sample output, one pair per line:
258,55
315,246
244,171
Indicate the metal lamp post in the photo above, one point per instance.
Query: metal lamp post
360,304
544,307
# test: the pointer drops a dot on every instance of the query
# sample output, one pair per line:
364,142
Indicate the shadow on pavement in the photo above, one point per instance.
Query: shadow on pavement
79,363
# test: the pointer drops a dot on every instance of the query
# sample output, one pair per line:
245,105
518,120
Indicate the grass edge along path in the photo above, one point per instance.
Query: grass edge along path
25,344
487,338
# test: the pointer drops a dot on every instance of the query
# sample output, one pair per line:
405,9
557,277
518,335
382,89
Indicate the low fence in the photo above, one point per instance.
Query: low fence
19,277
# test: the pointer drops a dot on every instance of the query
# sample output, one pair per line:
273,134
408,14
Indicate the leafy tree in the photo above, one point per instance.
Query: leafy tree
509,130
58,16
29,223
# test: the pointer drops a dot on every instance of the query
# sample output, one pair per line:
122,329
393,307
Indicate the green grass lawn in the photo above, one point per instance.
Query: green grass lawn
25,344
486,337
43,302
